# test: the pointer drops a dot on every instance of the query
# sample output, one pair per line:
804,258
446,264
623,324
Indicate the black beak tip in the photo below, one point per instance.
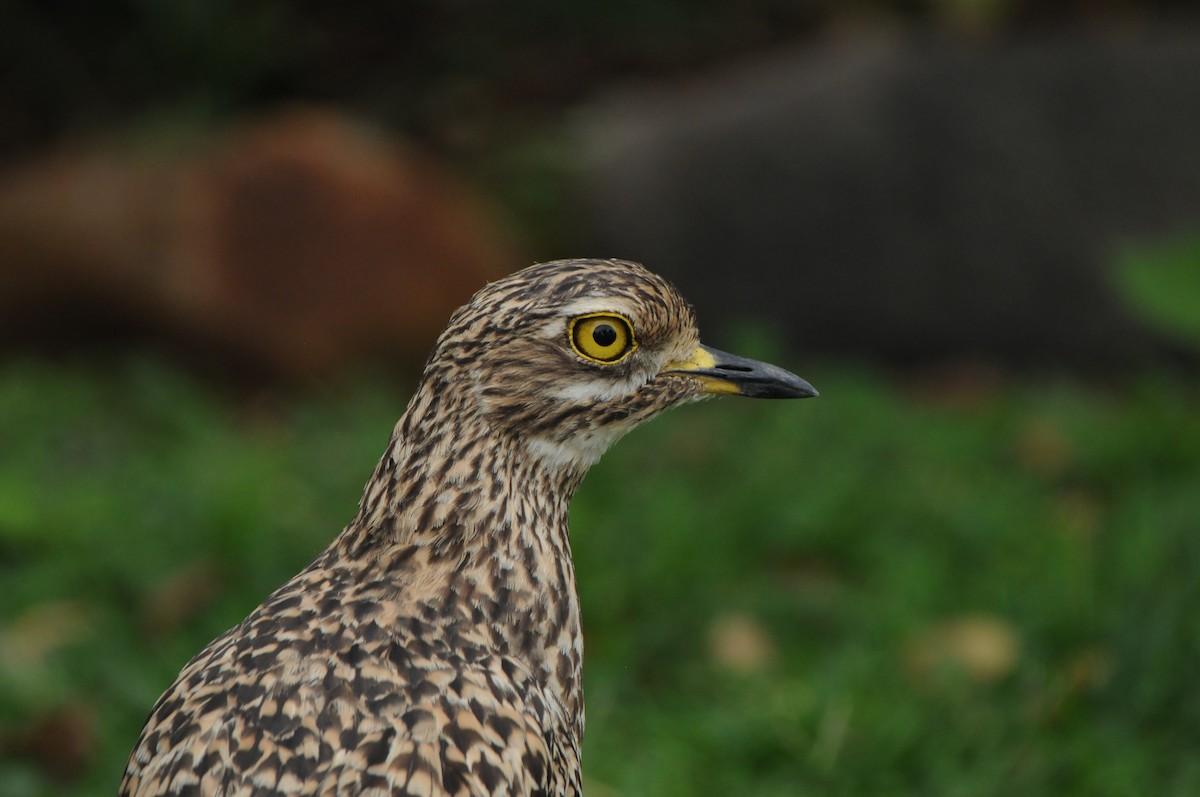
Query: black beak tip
782,386
804,390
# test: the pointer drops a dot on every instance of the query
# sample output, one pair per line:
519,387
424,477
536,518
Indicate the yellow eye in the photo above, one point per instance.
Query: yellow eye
602,337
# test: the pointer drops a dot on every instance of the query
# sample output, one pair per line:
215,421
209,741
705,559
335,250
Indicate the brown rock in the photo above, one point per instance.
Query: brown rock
293,243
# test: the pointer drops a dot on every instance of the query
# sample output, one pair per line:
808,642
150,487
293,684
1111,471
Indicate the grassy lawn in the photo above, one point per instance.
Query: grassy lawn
946,587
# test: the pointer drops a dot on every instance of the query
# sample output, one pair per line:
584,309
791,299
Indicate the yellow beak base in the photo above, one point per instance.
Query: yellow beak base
722,373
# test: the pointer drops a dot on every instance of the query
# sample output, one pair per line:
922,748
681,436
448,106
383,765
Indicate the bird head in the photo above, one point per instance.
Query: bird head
568,356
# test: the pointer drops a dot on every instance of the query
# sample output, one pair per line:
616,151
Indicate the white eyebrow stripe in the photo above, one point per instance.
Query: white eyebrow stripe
587,305
560,324
602,388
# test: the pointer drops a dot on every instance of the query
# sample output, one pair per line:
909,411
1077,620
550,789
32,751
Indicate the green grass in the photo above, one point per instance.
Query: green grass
142,513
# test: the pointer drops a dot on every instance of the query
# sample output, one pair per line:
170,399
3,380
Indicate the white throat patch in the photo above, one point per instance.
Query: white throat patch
578,452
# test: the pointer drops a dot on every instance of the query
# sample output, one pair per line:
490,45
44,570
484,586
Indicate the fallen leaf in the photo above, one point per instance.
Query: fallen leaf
985,647
1045,449
39,631
738,641
61,741
182,595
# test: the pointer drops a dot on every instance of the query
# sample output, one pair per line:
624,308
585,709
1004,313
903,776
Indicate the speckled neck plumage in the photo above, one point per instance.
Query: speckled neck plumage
479,540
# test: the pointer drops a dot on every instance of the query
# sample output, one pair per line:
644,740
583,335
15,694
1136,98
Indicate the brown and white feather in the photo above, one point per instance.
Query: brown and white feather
435,647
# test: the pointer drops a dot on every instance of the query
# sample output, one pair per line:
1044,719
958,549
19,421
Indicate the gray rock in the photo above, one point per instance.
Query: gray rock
911,201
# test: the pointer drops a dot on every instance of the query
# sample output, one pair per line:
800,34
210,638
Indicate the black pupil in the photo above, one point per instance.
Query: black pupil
604,335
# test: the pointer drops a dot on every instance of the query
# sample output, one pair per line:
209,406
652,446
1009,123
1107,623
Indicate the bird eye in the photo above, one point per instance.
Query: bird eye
602,337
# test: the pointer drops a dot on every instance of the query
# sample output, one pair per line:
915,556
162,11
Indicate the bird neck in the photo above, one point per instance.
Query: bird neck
450,477
468,527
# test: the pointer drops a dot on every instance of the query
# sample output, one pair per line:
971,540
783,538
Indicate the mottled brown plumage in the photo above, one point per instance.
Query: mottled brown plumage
434,648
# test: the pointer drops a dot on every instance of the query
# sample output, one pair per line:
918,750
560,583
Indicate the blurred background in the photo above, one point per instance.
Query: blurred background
230,232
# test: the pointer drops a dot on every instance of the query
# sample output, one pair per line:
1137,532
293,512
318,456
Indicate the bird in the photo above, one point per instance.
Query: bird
435,647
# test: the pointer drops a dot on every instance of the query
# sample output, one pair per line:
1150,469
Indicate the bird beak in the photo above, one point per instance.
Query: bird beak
728,374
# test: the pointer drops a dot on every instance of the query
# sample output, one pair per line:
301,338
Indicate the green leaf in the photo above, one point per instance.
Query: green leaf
1162,286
